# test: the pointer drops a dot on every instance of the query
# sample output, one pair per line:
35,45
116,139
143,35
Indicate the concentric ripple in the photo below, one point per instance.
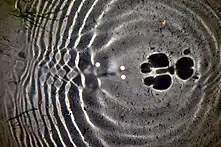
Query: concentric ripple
73,91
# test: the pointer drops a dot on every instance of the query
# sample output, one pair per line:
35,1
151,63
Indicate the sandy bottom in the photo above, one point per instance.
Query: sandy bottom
9,31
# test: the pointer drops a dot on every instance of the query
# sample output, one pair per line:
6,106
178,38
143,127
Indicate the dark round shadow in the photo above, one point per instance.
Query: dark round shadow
184,73
184,68
162,82
145,68
159,60
148,81
184,62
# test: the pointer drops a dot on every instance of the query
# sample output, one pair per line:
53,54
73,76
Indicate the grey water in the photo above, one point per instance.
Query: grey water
117,73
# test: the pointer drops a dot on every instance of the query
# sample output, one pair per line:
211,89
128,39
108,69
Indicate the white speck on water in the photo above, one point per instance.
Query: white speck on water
97,64
122,67
123,77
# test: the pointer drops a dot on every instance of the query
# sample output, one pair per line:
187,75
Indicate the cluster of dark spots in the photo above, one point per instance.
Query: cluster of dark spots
160,82
184,69
157,60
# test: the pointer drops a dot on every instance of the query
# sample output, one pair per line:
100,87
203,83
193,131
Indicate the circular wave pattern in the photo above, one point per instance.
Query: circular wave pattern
73,91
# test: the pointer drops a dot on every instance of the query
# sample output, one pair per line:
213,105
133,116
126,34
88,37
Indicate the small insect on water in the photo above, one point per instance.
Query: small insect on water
164,22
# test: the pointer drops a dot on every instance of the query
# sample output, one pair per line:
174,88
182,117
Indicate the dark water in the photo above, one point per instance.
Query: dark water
113,73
